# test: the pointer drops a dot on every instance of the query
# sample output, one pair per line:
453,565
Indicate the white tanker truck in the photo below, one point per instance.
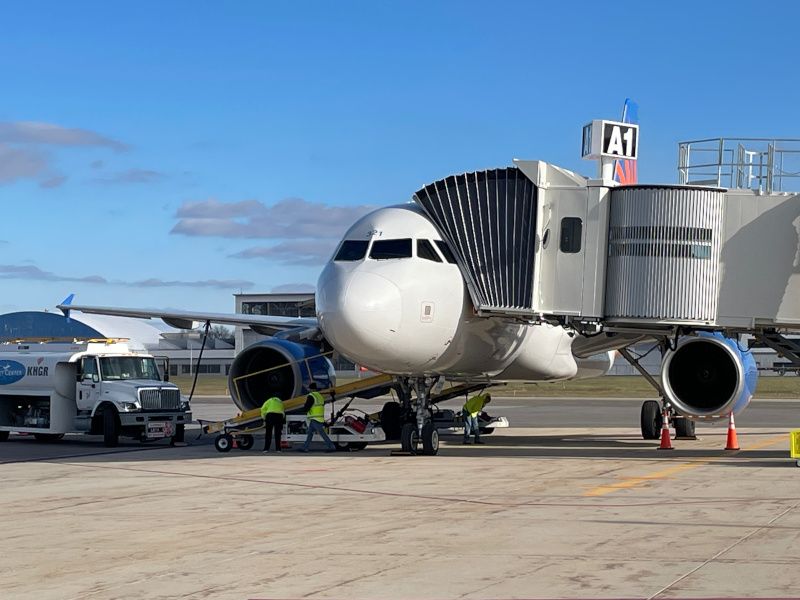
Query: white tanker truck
93,387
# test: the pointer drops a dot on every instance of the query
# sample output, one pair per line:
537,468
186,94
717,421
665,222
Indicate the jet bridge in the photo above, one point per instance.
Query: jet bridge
536,241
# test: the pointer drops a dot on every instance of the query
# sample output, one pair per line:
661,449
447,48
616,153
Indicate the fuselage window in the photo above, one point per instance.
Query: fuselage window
385,249
571,234
352,250
425,250
448,255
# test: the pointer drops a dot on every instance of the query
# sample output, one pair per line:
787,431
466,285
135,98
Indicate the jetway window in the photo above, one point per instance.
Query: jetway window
425,250
571,233
352,250
387,249
448,255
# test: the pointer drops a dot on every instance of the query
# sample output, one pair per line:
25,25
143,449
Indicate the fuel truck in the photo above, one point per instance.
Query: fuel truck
92,387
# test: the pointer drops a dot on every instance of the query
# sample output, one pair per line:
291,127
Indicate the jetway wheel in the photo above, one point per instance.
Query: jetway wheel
651,420
409,438
224,442
245,442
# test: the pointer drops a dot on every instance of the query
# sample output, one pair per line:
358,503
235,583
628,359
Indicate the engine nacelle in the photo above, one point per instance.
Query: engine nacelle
277,368
708,375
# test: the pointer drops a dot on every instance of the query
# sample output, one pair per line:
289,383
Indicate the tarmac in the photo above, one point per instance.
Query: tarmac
589,512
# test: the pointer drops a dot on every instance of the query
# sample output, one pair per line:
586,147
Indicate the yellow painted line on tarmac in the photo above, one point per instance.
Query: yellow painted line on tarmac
636,482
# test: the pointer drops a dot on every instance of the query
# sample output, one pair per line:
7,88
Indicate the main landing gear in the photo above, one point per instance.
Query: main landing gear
421,431
652,421
652,411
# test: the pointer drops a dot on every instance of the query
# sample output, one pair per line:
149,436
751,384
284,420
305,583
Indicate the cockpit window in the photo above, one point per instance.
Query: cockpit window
425,250
448,255
352,250
385,249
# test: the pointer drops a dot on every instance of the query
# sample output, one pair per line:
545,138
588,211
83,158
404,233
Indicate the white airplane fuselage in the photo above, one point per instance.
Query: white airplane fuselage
387,302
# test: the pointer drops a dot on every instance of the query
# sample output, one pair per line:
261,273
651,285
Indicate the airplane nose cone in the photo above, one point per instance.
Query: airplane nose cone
360,314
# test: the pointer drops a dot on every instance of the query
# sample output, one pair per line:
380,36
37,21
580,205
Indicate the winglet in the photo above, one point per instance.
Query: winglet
66,302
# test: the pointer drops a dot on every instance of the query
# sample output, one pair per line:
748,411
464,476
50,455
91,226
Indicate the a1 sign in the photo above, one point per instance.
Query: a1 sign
610,138
620,140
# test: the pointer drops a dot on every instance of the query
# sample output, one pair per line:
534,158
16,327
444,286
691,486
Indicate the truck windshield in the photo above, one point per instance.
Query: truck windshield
129,367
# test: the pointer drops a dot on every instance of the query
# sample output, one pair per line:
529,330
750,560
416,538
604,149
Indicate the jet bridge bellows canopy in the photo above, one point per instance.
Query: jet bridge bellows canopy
488,219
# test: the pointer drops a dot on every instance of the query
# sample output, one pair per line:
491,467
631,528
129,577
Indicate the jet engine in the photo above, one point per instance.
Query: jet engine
279,368
708,375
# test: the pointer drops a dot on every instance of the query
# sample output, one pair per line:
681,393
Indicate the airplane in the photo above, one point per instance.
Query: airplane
403,294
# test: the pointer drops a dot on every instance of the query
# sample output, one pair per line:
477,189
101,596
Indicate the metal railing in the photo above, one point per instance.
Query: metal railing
769,165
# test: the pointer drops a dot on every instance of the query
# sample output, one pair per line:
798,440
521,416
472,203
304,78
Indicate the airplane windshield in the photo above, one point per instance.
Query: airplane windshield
128,367
448,255
352,250
386,249
425,250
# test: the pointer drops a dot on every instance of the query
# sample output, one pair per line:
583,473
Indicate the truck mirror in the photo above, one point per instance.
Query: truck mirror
95,377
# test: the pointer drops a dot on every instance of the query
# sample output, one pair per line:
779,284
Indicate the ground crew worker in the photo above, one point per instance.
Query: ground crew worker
274,416
315,417
472,408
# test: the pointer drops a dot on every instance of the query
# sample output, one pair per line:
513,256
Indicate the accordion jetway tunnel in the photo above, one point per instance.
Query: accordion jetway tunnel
623,264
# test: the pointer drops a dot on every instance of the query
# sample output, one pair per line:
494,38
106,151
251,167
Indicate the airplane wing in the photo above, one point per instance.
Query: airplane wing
295,327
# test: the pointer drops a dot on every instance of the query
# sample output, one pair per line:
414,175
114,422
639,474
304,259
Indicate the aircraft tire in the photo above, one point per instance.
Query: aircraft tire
4,436
391,420
684,428
409,438
110,427
651,420
245,442
223,443
430,439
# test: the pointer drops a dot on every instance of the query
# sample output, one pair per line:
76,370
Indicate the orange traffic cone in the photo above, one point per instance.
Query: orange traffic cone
733,443
666,444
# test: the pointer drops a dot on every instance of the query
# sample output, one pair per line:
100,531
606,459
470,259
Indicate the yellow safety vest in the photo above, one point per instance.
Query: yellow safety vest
317,411
475,405
273,405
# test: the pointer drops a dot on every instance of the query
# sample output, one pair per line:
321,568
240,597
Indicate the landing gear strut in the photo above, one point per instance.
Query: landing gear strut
422,429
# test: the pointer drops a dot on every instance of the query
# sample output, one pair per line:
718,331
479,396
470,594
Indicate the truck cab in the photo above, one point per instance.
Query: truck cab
99,388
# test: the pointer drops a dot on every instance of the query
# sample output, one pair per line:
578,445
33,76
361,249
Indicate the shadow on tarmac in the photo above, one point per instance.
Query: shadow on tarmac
590,445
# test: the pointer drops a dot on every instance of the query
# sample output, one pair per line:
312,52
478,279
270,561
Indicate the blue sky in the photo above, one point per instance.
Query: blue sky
171,154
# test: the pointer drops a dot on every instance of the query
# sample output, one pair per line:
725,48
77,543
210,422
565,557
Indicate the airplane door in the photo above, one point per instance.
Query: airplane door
561,240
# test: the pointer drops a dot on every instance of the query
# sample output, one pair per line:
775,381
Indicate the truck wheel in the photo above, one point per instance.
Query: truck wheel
110,427
245,442
4,436
48,437
343,446
487,430
224,443
180,431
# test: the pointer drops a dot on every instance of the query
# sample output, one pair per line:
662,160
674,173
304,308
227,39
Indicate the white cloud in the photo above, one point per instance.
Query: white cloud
293,218
20,164
294,252
28,272
31,132
294,288
132,176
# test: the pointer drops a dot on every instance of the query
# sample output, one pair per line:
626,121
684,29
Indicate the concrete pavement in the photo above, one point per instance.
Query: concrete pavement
558,513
